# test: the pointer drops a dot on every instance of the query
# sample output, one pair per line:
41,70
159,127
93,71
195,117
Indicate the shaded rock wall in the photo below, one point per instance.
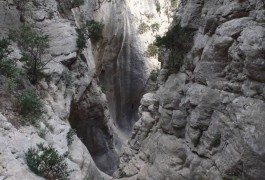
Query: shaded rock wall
206,122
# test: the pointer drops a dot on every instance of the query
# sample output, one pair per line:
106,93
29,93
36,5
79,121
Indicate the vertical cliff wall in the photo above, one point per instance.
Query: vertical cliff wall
206,121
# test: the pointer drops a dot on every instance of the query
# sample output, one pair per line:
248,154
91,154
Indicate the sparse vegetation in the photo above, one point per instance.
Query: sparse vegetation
153,75
155,27
46,162
7,66
70,136
152,50
90,30
143,27
152,82
103,88
7,84
30,106
69,4
178,41
9,72
42,132
33,46
68,79
158,6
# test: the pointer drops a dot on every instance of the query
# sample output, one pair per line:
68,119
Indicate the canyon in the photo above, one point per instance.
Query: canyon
204,121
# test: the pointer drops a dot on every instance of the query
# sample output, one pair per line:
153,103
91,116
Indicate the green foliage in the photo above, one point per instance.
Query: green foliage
7,85
42,132
70,136
154,74
4,50
46,162
103,88
9,72
152,82
77,3
69,4
155,27
174,3
30,106
178,41
68,79
158,6
90,30
152,50
9,68
143,27
33,46
176,38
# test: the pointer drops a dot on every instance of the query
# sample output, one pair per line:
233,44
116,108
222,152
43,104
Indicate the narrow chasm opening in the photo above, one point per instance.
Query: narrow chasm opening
88,117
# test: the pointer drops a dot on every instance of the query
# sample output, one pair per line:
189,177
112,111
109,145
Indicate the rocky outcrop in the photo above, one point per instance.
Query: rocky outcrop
70,75
72,92
89,117
206,122
121,64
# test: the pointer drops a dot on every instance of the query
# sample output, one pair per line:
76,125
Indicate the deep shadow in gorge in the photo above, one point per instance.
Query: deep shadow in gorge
121,70
89,117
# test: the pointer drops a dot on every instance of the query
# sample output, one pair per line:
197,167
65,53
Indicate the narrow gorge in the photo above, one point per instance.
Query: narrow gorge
171,90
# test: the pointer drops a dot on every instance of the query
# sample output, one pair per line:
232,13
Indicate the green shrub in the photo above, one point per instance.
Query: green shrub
33,46
4,48
66,5
7,84
152,81
143,27
68,79
77,3
158,6
70,136
152,50
9,68
155,27
103,88
90,30
46,162
30,106
178,41
42,132
154,74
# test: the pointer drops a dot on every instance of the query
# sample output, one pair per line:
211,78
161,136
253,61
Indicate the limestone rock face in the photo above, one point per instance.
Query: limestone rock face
206,122
71,74
121,62
72,94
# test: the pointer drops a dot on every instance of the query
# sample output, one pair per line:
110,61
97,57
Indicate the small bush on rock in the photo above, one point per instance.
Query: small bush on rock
155,27
90,30
30,106
33,46
46,162
152,50
143,27
178,41
70,136
68,79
